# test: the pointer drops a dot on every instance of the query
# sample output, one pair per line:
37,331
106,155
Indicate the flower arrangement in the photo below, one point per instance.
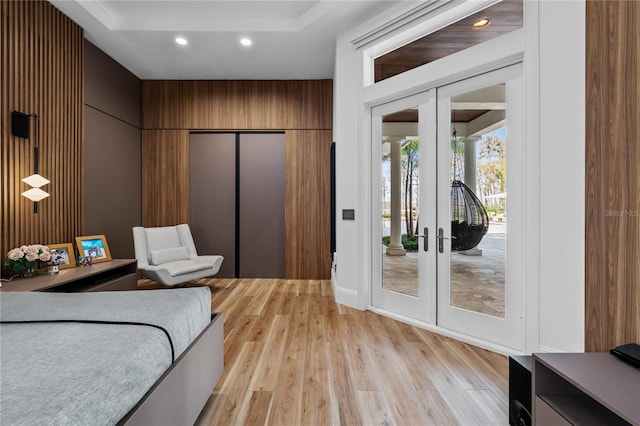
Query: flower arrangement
23,260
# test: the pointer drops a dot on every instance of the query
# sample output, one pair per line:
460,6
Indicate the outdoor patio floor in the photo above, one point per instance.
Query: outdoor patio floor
477,282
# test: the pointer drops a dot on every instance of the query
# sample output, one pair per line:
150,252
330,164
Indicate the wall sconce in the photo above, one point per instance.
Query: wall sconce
20,128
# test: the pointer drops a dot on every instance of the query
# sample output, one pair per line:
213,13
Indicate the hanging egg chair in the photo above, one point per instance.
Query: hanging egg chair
469,219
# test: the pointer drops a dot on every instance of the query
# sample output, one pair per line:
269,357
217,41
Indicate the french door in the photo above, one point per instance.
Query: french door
442,256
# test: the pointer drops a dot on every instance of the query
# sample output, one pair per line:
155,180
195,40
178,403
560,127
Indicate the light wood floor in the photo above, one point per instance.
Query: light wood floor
295,357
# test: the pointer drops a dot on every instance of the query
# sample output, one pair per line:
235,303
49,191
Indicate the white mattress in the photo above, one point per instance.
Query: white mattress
80,373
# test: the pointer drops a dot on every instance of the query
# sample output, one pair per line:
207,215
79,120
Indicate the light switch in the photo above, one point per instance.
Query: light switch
348,214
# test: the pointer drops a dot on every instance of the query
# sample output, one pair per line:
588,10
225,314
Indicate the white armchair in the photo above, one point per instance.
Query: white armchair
167,254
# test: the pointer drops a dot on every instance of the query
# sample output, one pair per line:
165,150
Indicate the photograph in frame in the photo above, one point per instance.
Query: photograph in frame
63,255
94,247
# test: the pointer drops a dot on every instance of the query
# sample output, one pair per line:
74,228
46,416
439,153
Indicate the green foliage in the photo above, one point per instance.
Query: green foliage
409,243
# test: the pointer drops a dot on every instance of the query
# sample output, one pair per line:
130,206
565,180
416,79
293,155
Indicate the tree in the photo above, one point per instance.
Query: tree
457,159
409,163
492,167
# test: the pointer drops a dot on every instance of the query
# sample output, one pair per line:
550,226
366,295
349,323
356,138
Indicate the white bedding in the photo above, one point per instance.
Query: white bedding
84,373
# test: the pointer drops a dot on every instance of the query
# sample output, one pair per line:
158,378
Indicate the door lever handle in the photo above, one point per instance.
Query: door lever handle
441,239
425,245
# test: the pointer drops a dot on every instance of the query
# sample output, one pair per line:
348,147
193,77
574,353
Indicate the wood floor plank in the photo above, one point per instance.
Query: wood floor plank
287,398
318,409
237,337
437,412
375,408
261,293
341,388
295,357
238,372
316,372
271,359
256,408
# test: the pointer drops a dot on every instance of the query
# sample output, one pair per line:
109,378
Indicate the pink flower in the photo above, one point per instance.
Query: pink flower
15,254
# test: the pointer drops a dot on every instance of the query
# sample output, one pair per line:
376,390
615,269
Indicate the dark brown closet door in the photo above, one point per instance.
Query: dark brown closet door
237,201
262,189
213,197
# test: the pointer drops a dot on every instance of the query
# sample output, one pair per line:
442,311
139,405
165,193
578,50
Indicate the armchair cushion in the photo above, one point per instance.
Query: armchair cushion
167,255
181,267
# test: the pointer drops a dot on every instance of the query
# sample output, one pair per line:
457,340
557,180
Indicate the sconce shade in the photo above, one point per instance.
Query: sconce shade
20,124
35,194
35,180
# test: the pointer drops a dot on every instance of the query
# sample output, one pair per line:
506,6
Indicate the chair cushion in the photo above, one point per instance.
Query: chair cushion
162,237
158,257
180,267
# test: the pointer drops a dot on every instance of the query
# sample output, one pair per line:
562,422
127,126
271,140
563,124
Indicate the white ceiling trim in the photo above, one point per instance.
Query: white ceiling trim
95,9
419,12
218,22
292,39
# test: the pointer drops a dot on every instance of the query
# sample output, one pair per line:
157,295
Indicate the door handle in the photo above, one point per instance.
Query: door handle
441,239
425,243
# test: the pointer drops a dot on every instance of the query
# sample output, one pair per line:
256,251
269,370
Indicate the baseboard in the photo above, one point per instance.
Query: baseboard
344,296
503,350
549,349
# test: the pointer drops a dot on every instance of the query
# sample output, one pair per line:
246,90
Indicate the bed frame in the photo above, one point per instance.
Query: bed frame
178,396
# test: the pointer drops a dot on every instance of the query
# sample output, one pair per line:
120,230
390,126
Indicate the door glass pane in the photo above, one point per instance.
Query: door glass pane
400,201
478,200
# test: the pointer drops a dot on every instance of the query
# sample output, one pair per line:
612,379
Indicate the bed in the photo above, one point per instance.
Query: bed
132,357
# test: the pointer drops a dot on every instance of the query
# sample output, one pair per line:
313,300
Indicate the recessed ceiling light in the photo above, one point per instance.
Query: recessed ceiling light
481,23
181,41
245,41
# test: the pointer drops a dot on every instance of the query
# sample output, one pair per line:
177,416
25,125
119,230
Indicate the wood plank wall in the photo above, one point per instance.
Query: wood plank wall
307,151
165,177
302,108
42,73
612,175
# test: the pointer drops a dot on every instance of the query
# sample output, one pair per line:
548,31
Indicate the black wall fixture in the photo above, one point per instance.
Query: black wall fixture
20,124
20,128
333,199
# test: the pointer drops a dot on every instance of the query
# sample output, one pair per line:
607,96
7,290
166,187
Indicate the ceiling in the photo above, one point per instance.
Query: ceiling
291,39
505,17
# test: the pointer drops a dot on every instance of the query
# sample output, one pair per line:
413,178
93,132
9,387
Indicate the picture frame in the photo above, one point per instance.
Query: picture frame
63,255
95,247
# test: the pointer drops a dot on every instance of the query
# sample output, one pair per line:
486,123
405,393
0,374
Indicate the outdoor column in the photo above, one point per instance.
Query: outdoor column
470,178
395,244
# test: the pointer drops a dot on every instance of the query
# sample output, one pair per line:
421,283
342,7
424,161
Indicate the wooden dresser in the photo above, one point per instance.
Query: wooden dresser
585,389
117,274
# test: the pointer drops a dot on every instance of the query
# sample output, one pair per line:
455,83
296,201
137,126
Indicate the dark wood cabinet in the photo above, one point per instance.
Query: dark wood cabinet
585,389
117,274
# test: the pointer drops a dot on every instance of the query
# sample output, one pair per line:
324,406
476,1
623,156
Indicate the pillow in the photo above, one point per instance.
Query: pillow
161,256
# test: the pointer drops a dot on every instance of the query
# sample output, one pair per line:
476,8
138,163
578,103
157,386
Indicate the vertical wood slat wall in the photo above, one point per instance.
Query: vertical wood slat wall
42,73
302,108
612,175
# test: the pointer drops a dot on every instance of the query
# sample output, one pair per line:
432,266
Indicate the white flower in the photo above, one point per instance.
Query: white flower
31,256
24,248
45,256
15,254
